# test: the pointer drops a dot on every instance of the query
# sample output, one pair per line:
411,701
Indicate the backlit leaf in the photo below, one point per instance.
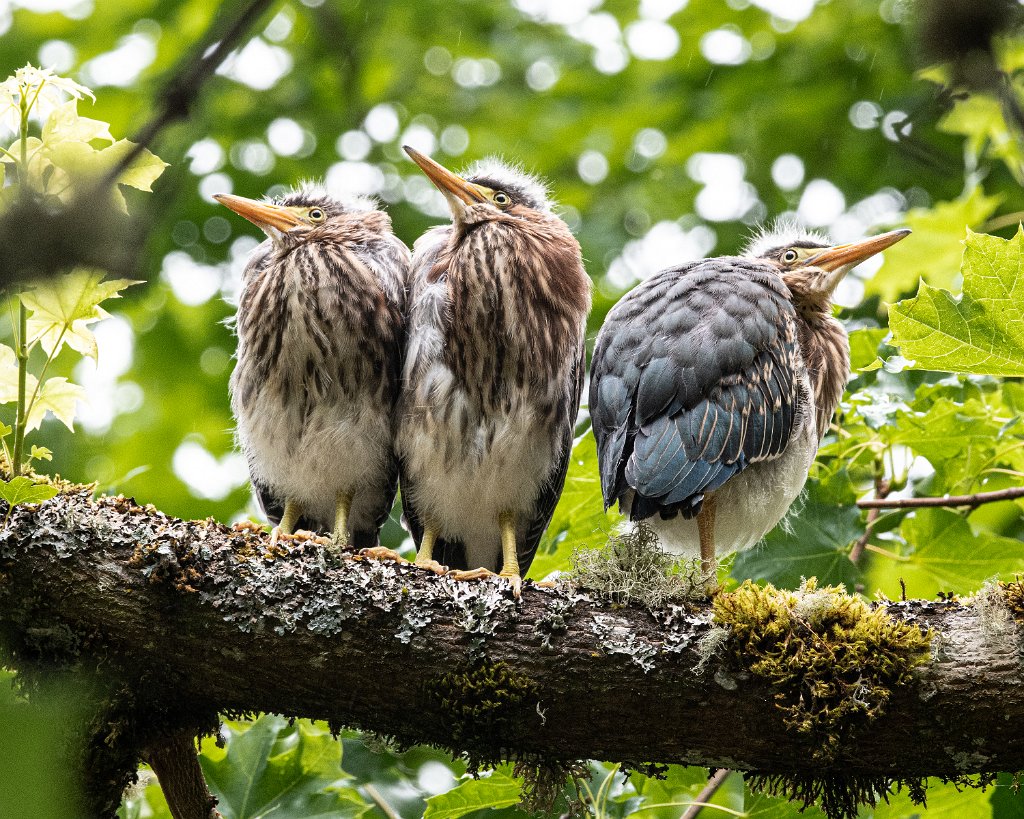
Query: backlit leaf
58,396
65,306
494,791
980,332
65,125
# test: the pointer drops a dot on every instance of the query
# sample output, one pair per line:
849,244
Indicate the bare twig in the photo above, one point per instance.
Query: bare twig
182,89
714,783
972,501
380,801
882,489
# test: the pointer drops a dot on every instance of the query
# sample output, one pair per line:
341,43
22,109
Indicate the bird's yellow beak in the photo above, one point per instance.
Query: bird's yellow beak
845,257
262,214
456,190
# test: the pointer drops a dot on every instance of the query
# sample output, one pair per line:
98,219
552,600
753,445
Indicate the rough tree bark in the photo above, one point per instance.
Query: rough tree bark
185,620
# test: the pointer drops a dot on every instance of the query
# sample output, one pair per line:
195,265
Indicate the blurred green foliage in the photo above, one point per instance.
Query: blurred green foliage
668,130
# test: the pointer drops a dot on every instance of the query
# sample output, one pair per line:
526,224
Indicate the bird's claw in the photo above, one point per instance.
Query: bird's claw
382,553
248,526
515,581
432,566
275,536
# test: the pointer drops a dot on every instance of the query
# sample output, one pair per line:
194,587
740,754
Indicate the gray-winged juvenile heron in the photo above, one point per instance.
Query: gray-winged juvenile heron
712,384
321,331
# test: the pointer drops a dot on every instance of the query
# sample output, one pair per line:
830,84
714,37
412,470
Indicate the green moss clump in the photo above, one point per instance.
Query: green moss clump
484,705
1013,596
632,568
833,659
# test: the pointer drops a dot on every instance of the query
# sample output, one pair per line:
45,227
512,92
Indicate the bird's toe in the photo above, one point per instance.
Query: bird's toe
432,566
382,553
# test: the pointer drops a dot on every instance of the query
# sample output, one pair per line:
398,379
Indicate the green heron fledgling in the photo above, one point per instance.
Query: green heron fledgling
493,372
712,384
321,330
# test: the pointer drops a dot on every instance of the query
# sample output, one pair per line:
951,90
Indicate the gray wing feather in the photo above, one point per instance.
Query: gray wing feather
693,379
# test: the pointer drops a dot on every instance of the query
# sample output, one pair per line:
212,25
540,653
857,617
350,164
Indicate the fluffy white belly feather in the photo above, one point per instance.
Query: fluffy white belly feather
341,450
462,496
750,504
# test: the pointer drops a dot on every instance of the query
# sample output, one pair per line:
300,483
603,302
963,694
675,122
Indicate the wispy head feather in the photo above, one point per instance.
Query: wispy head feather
782,232
315,191
499,174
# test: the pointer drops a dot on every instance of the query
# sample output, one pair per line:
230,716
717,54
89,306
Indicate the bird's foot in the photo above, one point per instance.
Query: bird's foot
382,553
515,581
302,535
432,566
248,526
275,536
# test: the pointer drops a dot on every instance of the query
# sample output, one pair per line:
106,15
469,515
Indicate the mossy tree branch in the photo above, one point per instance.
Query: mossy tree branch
184,620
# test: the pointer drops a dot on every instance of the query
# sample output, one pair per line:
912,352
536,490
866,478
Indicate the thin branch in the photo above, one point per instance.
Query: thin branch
972,501
1000,222
181,91
882,489
380,801
714,783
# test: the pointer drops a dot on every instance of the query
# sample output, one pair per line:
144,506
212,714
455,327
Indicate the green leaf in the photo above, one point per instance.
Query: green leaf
864,348
933,252
944,554
39,453
494,791
23,490
814,541
65,125
58,396
579,519
271,768
763,806
957,439
979,118
144,170
981,332
65,306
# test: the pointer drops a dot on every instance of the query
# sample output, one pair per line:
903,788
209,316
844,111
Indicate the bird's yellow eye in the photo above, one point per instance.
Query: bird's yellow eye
316,215
502,199
790,256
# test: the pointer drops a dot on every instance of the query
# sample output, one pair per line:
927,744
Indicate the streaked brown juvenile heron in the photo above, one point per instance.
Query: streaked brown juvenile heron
321,331
493,372
712,384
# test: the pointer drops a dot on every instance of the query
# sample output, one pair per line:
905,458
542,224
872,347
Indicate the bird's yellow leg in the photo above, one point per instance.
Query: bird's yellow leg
509,557
706,530
425,555
340,539
292,513
509,554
